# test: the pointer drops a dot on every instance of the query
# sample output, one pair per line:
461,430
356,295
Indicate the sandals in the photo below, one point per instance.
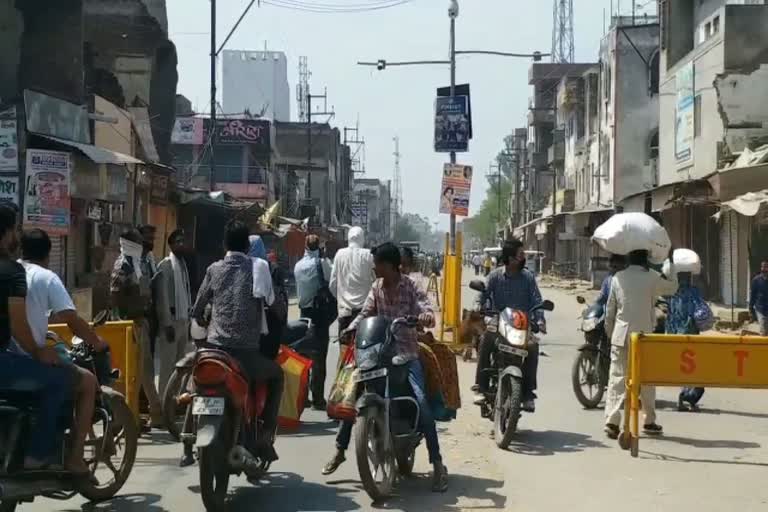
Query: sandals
334,463
653,429
612,431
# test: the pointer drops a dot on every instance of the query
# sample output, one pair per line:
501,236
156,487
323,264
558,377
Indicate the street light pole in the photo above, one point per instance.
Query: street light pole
453,13
212,134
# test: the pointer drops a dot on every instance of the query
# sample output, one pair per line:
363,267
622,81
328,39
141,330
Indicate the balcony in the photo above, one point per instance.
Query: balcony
539,160
556,153
539,116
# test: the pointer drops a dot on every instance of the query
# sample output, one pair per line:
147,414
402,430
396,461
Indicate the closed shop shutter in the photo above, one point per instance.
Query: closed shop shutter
734,259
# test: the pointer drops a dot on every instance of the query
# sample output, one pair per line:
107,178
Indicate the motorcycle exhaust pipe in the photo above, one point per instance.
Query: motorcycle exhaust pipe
15,490
241,459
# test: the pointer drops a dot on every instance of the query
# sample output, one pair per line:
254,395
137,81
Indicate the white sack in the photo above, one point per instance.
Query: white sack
686,260
634,231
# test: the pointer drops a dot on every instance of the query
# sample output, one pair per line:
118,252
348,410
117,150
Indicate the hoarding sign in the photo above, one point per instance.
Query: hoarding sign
9,190
188,130
359,213
455,189
46,197
9,147
452,126
685,114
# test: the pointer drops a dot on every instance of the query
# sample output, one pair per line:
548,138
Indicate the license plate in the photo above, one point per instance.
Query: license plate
373,374
208,406
513,350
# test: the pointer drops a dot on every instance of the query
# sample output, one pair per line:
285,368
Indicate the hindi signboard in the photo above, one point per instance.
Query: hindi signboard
455,189
9,190
359,213
188,130
452,126
685,114
46,196
9,146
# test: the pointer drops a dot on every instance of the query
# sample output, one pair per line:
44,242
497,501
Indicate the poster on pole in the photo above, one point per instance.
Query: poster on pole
455,189
46,194
9,146
452,124
9,190
685,114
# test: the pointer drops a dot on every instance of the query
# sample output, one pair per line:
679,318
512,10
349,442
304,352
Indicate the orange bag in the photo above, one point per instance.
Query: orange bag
343,396
296,380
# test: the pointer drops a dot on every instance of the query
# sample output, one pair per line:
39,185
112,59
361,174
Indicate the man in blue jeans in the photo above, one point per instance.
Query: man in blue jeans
393,296
39,373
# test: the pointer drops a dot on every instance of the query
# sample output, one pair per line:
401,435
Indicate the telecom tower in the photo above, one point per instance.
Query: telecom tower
302,89
397,199
562,32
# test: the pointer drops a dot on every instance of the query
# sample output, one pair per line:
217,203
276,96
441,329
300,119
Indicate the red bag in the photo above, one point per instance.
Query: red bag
343,396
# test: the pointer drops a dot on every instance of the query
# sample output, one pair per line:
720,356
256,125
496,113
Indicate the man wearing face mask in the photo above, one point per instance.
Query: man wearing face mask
511,286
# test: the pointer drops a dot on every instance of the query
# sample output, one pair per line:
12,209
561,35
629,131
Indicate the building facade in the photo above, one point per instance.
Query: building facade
256,82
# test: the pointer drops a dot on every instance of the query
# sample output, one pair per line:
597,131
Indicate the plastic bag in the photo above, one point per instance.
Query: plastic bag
634,231
296,379
686,260
343,396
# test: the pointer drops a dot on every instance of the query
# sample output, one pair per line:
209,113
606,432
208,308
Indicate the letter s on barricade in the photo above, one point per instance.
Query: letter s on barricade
688,361
741,355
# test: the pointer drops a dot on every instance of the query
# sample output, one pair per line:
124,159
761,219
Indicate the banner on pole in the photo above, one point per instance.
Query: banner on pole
46,195
452,125
455,189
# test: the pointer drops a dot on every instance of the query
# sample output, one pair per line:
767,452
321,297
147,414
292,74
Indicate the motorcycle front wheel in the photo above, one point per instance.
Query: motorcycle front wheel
375,462
587,378
509,399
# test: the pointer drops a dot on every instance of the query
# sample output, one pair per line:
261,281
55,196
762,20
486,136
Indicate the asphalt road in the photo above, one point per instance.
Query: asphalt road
560,460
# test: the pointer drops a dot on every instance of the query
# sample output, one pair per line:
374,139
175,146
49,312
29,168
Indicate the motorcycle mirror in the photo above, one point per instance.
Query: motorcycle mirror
477,285
580,299
547,305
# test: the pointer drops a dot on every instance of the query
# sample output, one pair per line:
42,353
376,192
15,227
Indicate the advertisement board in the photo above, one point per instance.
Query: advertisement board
9,147
455,189
452,126
685,114
9,190
46,196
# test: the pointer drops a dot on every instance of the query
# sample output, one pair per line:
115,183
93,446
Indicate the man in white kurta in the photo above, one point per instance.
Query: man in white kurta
632,308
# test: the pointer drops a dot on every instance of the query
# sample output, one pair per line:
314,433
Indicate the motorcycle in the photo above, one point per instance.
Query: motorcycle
590,371
512,332
115,430
386,430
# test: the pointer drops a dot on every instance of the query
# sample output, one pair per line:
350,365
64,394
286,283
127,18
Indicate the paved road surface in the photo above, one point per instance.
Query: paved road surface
712,461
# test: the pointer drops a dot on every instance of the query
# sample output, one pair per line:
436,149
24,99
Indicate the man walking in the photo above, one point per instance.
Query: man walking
351,277
131,293
476,262
172,306
758,298
312,274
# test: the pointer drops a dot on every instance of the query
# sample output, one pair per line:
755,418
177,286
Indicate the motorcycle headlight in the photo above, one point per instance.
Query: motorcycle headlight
589,324
517,337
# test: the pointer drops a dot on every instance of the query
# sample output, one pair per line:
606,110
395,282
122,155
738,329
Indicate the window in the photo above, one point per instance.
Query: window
653,146
697,116
653,74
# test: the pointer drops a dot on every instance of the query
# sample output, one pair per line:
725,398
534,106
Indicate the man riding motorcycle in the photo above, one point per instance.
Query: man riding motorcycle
236,320
394,295
511,286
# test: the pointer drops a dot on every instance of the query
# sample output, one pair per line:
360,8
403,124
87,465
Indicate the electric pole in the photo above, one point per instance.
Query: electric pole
212,135
453,13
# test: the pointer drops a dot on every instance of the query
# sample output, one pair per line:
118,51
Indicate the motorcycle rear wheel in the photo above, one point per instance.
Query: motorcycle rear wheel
586,371
214,472
173,414
369,448
509,398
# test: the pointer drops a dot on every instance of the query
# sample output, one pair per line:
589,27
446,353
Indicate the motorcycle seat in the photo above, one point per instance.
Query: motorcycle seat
222,357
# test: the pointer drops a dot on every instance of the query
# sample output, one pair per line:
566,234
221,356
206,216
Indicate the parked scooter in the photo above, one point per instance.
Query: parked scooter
591,368
513,333
110,446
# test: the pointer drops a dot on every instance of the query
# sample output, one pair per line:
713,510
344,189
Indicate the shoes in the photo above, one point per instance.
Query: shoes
320,405
653,429
334,463
529,405
612,431
479,399
475,388
439,478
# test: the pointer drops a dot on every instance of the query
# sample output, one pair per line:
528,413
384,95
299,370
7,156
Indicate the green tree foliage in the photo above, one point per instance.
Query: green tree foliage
482,226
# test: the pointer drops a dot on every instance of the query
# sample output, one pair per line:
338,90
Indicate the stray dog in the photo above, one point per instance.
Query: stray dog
472,328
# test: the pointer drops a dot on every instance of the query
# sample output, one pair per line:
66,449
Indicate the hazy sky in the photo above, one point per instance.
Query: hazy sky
397,101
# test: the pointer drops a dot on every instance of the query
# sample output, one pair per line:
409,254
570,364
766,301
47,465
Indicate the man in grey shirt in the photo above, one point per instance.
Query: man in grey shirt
236,316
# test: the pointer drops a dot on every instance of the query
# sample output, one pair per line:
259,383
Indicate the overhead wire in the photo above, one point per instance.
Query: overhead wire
333,9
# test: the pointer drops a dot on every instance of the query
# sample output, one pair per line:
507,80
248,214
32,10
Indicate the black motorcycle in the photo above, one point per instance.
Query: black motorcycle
589,375
386,431
110,449
511,332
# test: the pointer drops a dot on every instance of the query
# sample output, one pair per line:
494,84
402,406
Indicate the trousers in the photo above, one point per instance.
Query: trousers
170,351
426,420
322,338
147,373
614,400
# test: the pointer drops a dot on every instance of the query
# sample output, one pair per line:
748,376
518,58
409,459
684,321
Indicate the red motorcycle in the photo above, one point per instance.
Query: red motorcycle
227,415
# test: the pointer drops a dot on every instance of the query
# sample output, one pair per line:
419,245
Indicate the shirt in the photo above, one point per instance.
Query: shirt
307,281
517,291
605,291
236,315
13,283
46,295
132,295
632,302
406,302
476,261
758,295
681,311
351,278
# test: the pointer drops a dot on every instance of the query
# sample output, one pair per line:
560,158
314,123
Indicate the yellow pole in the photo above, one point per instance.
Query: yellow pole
634,360
442,287
457,287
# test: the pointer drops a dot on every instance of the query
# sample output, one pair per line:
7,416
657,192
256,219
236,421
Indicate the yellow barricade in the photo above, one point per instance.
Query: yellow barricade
693,361
124,353
451,292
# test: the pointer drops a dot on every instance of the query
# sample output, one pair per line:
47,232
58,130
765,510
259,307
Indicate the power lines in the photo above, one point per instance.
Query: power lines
335,7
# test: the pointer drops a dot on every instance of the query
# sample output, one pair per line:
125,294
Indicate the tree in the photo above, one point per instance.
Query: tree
485,222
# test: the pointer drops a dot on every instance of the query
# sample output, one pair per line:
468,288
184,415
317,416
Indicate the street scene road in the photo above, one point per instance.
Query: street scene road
560,459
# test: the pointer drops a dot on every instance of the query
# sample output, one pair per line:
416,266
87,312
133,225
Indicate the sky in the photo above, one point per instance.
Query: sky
396,101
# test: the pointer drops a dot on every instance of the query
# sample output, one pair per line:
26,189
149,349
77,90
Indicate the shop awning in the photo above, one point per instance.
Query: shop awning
95,153
748,204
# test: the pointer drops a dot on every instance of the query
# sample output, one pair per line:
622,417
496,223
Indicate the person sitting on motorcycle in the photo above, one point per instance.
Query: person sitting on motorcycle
41,370
616,263
393,295
235,326
47,296
511,286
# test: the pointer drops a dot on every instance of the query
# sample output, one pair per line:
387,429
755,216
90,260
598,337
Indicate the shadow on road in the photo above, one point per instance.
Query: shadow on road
125,503
289,492
312,429
709,443
671,458
464,492
551,442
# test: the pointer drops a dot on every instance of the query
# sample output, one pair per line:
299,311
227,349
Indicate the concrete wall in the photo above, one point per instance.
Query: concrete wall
256,81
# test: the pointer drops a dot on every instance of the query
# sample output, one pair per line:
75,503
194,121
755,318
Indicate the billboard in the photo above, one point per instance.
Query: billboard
47,194
359,213
455,189
684,114
9,147
452,124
